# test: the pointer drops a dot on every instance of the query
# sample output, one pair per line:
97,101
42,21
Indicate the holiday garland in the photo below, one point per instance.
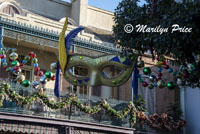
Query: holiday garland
164,122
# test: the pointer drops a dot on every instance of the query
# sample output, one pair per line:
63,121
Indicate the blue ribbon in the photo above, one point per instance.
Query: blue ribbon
68,41
70,37
1,33
57,82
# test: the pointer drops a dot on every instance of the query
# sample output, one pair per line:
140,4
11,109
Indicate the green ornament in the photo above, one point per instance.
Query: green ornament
162,58
26,83
171,85
150,86
159,64
174,73
141,80
71,59
27,58
120,80
113,82
81,57
49,75
2,52
75,81
147,70
8,69
124,76
4,64
34,60
15,63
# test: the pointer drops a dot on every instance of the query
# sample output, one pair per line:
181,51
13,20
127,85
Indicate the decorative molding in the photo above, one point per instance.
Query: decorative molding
45,37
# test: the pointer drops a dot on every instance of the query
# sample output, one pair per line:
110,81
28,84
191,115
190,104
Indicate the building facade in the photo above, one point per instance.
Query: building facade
35,25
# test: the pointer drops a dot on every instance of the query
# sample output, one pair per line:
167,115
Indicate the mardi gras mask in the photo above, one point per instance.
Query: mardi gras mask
108,70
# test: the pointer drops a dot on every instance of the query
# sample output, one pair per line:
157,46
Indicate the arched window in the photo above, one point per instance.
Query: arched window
10,9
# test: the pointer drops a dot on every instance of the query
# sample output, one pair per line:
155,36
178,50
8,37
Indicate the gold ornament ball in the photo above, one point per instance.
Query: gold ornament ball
161,84
20,78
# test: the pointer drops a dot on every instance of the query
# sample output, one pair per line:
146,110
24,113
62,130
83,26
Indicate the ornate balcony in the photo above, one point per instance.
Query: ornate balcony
71,113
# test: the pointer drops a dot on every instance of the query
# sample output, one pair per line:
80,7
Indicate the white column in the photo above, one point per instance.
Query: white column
79,11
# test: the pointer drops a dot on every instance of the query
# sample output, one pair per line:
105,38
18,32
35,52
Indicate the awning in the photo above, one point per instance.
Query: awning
27,128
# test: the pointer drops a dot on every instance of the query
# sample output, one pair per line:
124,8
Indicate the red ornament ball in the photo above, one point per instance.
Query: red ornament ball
185,75
159,79
37,69
5,67
166,67
41,73
164,63
144,84
157,58
21,64
159,75
53,78
2,56
16,68
34,56
30,53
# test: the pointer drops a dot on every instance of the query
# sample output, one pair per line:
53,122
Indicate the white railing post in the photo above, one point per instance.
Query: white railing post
182,103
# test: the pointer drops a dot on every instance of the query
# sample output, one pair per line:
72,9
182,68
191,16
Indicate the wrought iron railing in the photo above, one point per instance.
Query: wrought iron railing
73,114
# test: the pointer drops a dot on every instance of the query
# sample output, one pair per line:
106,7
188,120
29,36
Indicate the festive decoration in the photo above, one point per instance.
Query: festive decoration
171,85
14,63
49,75
125,64
159,75
26,83
15,68
147,70
53,66
152,78
154,121
161,84
13,56
20,78
140,64
151,86
144,84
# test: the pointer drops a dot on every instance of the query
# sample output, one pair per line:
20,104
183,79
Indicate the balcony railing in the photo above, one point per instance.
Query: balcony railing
70,113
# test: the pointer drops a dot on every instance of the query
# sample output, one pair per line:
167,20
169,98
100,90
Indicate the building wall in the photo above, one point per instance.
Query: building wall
50,8
79,11
100,18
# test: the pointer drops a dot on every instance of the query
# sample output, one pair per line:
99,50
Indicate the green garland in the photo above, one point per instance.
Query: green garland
5,89
165,121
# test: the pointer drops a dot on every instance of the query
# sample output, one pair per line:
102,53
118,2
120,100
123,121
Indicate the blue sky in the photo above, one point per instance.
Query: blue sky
109,5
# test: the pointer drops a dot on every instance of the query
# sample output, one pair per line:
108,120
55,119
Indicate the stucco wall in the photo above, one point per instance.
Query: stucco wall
100,18
51,8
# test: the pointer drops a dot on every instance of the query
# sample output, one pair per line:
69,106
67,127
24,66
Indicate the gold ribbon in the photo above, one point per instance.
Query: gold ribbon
62,48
